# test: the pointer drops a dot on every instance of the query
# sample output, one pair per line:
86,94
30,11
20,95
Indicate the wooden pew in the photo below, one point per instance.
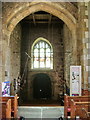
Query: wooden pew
67,100
14,104
6,109
81,109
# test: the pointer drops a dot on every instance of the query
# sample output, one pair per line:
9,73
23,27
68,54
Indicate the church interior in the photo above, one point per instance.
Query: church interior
44,60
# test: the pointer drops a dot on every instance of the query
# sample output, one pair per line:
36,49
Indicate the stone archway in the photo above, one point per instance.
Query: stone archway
20,11
23,10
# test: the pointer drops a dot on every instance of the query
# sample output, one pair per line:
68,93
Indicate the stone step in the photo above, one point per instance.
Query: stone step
41,112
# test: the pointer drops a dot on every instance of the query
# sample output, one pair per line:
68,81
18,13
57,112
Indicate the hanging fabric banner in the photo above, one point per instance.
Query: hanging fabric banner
75,80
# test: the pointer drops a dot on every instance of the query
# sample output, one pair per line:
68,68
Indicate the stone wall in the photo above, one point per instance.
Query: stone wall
54,34
89,45
67,54
15,55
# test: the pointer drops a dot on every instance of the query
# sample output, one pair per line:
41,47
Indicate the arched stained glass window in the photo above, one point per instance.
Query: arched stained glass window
42,54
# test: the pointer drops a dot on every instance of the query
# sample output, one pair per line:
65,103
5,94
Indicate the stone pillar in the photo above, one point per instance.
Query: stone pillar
74,45
84,37
0,58
85,49
7,64
5,59
89,46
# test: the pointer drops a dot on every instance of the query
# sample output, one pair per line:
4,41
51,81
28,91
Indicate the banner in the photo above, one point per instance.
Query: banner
75,80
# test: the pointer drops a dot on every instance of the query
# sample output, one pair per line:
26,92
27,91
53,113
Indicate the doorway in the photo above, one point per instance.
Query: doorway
42,86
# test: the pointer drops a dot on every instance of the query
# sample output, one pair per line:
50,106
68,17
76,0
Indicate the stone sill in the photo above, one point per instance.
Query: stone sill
39,70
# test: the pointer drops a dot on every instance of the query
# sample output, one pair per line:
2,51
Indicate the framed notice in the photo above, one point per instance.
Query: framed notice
75,80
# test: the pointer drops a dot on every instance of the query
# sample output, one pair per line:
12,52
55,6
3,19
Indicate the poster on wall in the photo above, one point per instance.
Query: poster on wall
75,80
6,88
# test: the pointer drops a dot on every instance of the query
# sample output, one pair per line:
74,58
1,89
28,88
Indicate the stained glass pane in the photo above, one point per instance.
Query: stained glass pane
48,62
43,44
36,63
35,52
42,65
37,46
47,46
41,52
47,52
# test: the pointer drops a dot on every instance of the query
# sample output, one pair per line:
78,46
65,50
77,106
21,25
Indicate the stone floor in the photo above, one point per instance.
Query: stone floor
42,102
41,112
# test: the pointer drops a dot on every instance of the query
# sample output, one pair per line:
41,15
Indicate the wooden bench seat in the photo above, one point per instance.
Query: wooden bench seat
81,109
67,102
14,104
6,109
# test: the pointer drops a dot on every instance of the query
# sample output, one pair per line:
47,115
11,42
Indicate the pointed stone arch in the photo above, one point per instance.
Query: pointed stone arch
29,8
